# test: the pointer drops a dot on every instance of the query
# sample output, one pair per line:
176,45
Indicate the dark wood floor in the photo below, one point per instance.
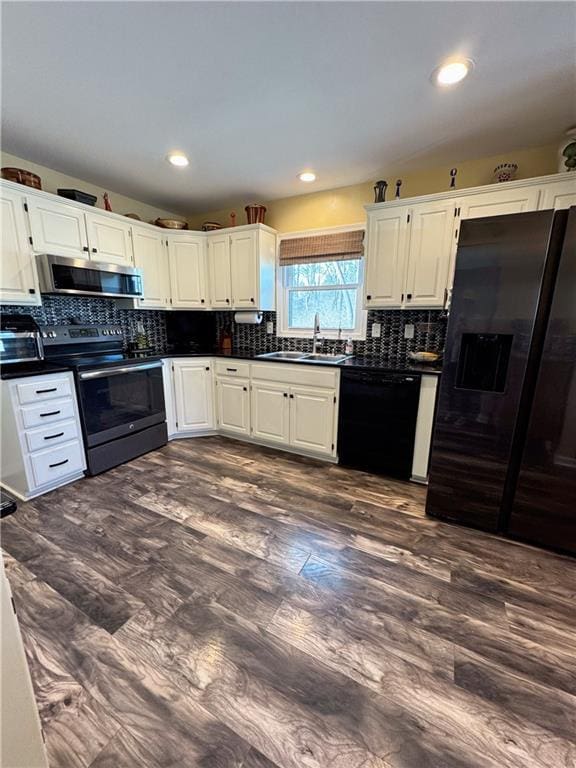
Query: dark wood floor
220,605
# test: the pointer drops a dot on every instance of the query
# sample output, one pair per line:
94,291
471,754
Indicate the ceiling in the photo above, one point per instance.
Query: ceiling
254,93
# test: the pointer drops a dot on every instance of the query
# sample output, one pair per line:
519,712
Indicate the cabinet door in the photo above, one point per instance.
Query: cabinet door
57,228
499,202
233,405
193,395
244,270
431,237
387,240
312,413
151,256
109,239
219,271
560,194
18,278
187,272
270,412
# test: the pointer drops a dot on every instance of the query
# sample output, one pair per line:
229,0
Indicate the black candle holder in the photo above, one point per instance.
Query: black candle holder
380,191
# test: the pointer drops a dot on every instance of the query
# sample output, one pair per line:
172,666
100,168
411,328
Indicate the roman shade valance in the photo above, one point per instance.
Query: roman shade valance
339,246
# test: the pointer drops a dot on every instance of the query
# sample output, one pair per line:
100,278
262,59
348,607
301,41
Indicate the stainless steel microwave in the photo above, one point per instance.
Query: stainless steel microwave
81,277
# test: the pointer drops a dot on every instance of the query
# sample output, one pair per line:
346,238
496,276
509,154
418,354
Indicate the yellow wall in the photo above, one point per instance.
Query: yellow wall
346,204
52,180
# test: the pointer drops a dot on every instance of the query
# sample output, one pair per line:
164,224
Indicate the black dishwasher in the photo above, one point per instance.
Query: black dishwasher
377,421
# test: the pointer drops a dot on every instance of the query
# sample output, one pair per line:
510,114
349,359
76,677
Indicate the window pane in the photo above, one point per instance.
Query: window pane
337,309
323,273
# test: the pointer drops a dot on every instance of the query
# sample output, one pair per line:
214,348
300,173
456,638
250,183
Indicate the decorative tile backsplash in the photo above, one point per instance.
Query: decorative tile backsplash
429,335
59,310
392,347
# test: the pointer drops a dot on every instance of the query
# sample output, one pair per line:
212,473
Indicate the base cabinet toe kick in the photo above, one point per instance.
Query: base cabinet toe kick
41,437
296,408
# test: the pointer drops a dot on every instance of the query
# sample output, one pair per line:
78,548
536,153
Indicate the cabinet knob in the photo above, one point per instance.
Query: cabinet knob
94,250
207,368
201,301
227,301
252,300
408,296
291,397
285,394
31,290
368,298
245,389
85,249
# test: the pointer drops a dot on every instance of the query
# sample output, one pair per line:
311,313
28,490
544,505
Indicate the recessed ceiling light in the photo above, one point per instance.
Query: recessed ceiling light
452,72
178,159
307,176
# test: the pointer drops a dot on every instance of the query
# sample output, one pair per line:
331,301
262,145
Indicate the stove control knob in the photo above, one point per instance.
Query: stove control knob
52,334
44,335
118,331
104,332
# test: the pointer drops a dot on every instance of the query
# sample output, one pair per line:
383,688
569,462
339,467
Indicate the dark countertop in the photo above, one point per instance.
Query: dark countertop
355,362
22,370
17,370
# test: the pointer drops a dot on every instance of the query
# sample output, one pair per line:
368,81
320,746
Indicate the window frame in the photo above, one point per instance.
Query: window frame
282,294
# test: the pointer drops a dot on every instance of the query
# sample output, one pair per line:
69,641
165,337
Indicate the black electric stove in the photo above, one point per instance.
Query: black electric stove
121,399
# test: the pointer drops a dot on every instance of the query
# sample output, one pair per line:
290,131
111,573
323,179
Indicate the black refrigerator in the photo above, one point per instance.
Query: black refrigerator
504,446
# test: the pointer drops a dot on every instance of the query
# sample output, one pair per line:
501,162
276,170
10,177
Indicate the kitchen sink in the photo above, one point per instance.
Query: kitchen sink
305,357
283,355
319,358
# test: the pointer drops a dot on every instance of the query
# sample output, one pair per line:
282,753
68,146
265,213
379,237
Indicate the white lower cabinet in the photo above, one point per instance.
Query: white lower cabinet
41,437
233,405
312,419
270,412
193,395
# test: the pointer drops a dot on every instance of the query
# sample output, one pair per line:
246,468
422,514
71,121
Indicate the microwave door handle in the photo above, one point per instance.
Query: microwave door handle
100,374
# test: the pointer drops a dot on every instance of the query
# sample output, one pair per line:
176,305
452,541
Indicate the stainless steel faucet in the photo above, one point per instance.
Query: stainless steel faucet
316,341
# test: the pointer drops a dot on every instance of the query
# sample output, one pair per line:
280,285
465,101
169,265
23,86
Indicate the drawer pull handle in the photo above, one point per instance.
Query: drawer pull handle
50,413
232,370
51,437
45,391
59,463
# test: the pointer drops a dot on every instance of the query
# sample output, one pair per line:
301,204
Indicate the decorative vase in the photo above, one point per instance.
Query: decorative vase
255,214
505,172
567,152
380,191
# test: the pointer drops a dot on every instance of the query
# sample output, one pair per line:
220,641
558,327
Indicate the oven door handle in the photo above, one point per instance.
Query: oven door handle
117,371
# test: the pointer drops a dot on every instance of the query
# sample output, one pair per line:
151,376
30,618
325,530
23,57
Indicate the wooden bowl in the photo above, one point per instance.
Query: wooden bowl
171,223
20,176
424,357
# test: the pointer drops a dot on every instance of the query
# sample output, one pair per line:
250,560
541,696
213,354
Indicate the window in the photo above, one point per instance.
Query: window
331,288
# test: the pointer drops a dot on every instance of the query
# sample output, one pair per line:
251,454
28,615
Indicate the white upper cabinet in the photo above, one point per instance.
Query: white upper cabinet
109,239
57,228
270,412
193,393
188,284
233,404
151,256
387,241
561,194
244,269
431,238
18,277
219,271
498,202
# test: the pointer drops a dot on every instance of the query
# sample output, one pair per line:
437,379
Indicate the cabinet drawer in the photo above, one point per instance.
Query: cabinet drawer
46,413
232,368
54,463
303,375
46,437
36,390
